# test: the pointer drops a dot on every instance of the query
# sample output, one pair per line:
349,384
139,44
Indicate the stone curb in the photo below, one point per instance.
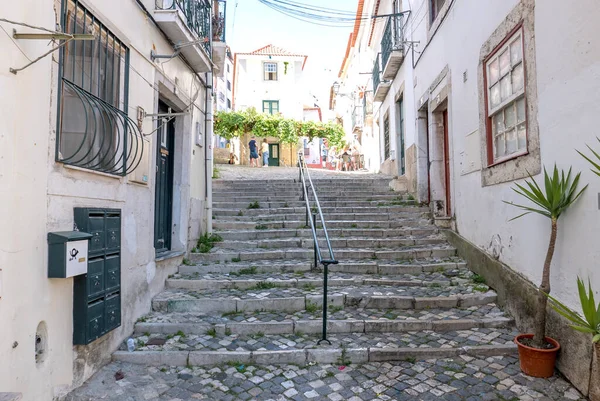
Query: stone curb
333,326
305,356
365,268
295,304
245,284
294,254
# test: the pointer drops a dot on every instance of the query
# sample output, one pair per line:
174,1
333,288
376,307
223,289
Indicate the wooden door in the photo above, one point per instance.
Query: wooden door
164,184
274,154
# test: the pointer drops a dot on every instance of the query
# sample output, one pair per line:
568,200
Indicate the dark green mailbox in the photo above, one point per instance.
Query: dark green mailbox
97,294
67,254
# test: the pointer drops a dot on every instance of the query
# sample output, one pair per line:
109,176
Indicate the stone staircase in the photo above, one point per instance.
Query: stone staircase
400,292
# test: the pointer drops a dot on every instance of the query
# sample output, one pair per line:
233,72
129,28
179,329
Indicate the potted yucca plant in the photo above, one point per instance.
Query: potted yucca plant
537,353
590,321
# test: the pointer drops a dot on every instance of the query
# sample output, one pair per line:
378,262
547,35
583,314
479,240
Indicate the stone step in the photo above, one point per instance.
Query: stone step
298,192
340,320
271,215
334,233
326,210
222,254
267,298
414,267
341,202
336,243
246,225
196,281
213,349
285,197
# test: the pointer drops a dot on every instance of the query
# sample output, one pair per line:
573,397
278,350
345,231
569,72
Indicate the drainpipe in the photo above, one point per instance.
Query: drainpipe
208,130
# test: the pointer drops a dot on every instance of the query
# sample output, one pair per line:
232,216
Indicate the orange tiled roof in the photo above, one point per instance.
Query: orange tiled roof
271,50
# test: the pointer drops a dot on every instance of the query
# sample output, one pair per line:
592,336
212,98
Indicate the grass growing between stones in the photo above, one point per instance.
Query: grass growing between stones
236,260
311,307
263,285
211,332
481,288
245,272
261,227
187,262
477,279
207,242
254,205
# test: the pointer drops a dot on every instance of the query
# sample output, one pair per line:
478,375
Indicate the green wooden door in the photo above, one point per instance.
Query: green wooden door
274,154
164,185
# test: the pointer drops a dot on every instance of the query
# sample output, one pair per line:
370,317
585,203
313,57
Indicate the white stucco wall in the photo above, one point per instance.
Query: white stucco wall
251,88
38,196
568,68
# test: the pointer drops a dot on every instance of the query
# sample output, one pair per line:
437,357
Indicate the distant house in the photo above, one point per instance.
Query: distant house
270,79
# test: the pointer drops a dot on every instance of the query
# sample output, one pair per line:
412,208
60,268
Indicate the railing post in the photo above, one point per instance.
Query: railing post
306,221
324,334
314,217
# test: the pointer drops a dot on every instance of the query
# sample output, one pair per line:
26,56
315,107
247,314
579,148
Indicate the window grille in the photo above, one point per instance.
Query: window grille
93,130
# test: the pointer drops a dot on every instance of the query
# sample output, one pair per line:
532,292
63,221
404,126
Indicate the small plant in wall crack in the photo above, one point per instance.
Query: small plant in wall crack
254,205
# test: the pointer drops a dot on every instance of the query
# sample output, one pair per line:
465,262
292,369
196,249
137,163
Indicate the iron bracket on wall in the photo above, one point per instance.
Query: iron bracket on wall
65,37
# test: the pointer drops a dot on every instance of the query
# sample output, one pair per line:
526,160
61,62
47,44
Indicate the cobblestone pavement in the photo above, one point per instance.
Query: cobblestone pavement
341,313
462,378
261,342
228,172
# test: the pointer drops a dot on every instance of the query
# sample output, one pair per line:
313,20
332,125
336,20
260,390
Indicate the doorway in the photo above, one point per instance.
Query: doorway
400,137
447,164
273,155
164,182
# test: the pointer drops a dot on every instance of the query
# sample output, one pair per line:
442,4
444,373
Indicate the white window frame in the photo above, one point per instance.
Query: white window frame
515,98
270,68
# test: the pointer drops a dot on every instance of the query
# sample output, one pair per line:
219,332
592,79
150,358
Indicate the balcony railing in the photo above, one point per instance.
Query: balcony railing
393,38
219,22
198,16
376,73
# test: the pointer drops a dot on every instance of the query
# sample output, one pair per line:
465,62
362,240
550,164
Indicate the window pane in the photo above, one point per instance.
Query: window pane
522,136
521,110
505,88
495,95
497,124
511,141
516,53
499,146
510,117
517,78
504,62
494,72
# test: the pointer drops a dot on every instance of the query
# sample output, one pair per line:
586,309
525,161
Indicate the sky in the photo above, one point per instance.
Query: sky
252,25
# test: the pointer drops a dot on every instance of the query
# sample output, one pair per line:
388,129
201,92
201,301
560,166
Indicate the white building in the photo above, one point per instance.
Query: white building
270,79
223,89
352,98
470,98
81,150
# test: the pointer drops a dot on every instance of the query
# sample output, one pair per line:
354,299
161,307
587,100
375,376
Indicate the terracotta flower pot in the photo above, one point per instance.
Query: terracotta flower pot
537,362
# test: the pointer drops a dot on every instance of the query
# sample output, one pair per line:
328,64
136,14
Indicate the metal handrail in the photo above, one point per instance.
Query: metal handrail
302,174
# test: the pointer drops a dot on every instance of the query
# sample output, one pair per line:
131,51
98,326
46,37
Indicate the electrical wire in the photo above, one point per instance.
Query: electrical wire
317,15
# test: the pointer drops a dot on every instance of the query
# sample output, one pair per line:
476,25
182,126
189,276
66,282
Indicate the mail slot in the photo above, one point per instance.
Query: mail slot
67,254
